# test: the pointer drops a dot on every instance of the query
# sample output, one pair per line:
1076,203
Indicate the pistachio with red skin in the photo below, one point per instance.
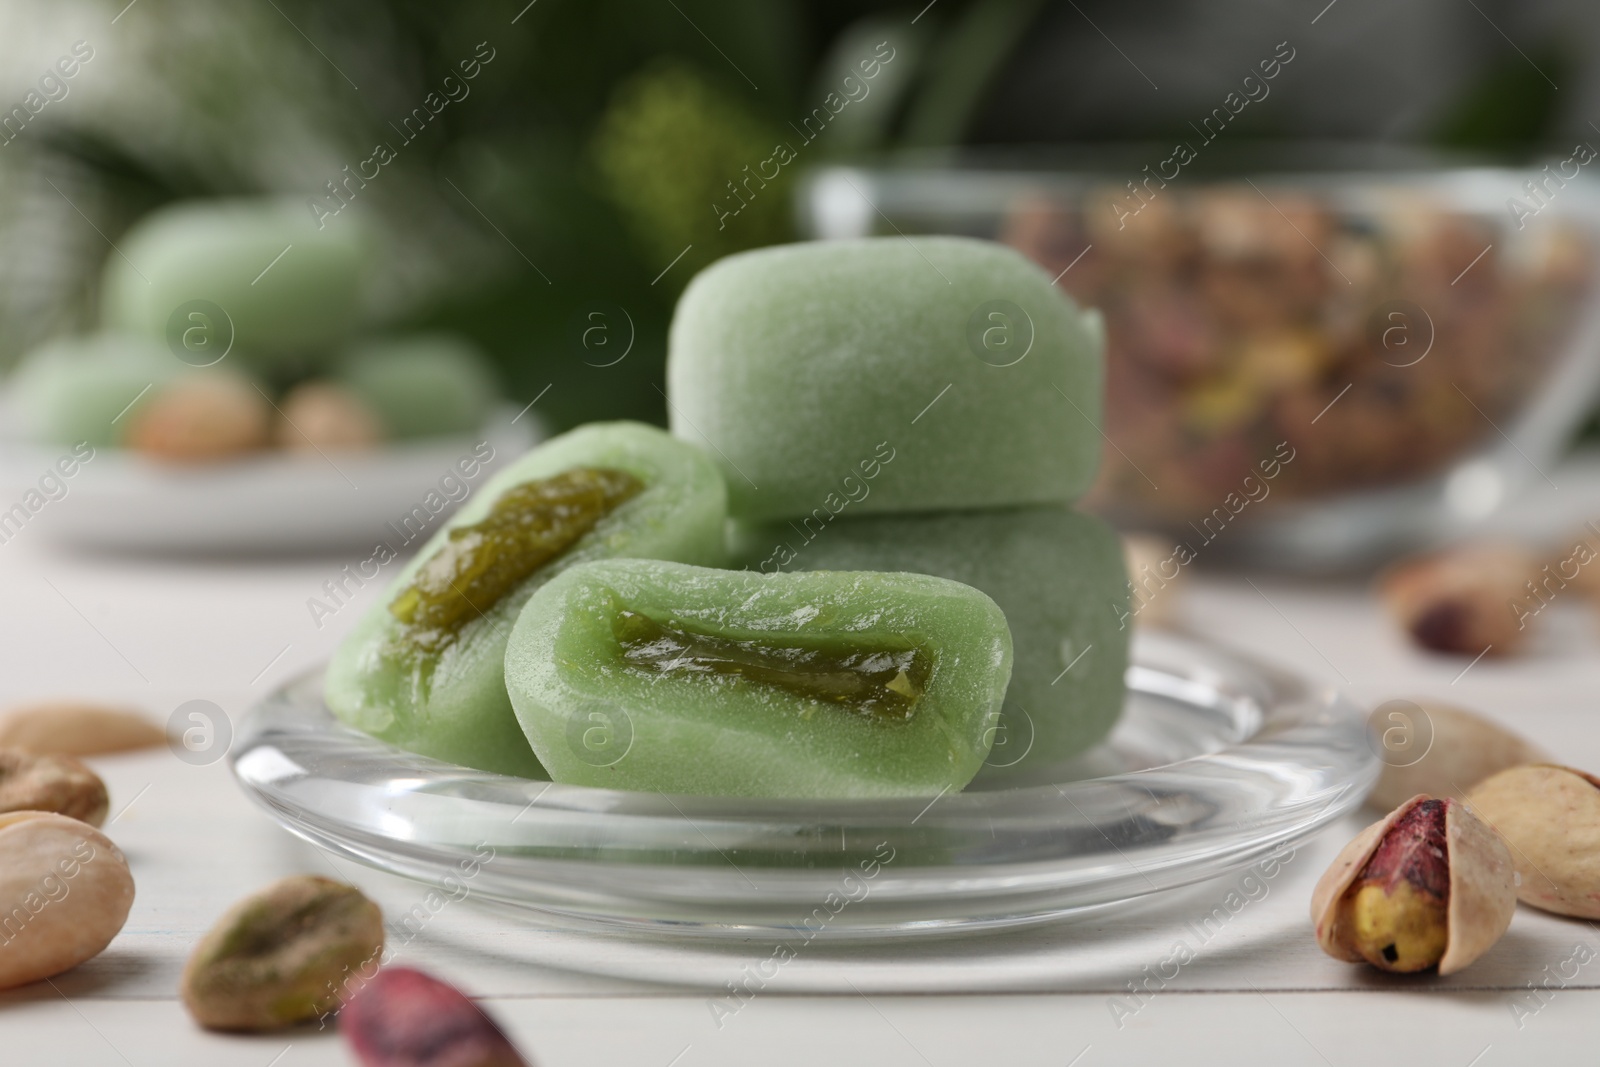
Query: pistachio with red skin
1550,816
1427,886
1464,748
404,1018
1462,600
30,782
282,956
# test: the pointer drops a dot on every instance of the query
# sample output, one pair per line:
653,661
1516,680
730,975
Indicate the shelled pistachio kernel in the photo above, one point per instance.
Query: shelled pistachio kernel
1550,816
282,956
404,1018
1397,909
33,782
1430,885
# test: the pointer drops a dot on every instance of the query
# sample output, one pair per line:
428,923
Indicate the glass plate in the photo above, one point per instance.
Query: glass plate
1217,761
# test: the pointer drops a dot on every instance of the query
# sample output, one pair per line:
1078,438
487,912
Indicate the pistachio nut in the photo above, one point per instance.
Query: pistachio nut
65,891
1464,748
1155,577
283,956
320,414
1461,600
1550,816
201,418
1429,885
404,1018
30,782
74,729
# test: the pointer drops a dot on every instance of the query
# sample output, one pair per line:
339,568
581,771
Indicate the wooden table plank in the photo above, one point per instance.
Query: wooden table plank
155,634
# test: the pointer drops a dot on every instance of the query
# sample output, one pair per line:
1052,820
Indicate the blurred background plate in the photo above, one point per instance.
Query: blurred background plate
276,502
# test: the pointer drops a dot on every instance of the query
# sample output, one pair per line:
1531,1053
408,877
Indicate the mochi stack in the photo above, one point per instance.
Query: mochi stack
929,405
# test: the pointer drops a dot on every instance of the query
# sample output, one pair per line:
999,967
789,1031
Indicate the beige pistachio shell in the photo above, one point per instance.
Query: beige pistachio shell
201,418
33,782
1551,818
1466,749
1156,577
1483,893
65,891
318,414
74,729
1482,896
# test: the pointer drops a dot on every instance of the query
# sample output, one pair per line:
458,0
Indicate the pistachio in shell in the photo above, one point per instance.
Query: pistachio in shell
65,892
1550,816
1464,749
282,956
1156,576
1427,886
318,414
32,782
74,728
1461,600
201,418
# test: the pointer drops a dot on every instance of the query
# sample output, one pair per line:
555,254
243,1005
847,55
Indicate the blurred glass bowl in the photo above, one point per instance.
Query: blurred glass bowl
1312,363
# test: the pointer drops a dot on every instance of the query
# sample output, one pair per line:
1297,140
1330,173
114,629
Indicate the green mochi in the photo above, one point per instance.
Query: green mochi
87,388
289,290
1060,579
452,704
597,719
799,367
422,385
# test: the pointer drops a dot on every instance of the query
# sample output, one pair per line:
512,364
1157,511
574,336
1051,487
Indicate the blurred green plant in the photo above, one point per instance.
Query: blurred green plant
670,147
585,157
1511,108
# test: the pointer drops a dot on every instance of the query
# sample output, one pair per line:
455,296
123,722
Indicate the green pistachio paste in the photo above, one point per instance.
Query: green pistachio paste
880,677
528,526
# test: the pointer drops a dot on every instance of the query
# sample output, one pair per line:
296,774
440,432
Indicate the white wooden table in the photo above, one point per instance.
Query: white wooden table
155,634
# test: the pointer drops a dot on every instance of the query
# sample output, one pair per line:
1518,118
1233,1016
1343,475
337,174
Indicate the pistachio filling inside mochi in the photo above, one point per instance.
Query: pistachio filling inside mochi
424,668
528,526
881,676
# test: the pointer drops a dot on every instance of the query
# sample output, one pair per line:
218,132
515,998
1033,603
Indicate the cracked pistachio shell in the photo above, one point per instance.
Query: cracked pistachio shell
1550,816
1466,749
1482,897
65,891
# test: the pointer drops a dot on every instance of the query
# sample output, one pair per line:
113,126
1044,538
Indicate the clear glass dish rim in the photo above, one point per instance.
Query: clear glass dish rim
605,859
